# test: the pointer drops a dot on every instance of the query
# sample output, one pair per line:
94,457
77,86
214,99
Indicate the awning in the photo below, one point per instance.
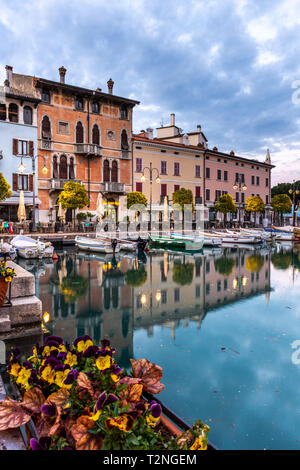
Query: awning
14,200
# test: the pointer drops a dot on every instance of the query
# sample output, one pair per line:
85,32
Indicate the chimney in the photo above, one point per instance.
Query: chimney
9,72
172,119
62,74
149,132
198,128
110,85
232,153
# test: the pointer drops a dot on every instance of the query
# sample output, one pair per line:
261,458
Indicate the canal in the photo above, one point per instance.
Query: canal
224,326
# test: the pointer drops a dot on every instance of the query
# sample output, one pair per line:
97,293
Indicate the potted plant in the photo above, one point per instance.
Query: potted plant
80,399
6,276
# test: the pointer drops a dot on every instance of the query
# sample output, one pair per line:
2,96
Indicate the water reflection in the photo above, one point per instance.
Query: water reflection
220,323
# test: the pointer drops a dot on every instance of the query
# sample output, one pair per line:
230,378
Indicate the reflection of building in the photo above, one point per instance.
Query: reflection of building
83,135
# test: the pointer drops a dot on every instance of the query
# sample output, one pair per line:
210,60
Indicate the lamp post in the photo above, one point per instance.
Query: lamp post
22,168
240,186
293,191
157,180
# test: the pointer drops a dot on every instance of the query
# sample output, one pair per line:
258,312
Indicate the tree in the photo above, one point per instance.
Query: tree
183,197
283,188
281,204
5,191
225,205
136,197
74,196
255,204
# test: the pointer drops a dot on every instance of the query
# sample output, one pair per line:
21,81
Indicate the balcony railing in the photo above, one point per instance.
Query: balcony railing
125,155
113,187
46,144
59,184
88,149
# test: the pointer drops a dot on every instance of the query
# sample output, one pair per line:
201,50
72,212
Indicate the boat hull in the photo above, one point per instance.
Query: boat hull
88,244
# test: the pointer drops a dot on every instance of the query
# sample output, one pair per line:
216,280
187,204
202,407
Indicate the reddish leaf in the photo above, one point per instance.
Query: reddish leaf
133,393
83,438
60,398
129,380
57,426
33,400
84,382
12,415
149,373
42,426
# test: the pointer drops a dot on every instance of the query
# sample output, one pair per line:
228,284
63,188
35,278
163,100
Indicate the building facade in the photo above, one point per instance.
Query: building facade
83,135
18,142
185,161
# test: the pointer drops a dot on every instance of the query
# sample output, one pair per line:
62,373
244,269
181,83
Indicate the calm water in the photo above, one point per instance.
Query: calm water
222,325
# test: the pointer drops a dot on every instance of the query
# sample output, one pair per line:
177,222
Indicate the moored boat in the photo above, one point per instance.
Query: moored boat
177,242
97,245
27,247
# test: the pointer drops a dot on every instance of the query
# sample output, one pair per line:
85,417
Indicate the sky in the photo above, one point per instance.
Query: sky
231,66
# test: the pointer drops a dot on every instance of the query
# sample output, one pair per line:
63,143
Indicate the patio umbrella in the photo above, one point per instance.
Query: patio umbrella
21,208
99,207
61,213
166,211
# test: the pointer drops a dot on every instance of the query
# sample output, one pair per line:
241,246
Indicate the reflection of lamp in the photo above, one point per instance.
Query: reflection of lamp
143,299
235,283
46,317
158,296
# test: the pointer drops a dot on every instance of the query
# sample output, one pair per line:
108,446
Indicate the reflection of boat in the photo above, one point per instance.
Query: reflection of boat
109,257
34,266
27,247
97,245
7,250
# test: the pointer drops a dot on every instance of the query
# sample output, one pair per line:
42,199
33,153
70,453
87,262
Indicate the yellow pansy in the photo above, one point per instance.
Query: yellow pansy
103,362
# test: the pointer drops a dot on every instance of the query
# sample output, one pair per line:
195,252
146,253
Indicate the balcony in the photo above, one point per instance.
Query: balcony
88,149
113,187
59,184
125,155
46,144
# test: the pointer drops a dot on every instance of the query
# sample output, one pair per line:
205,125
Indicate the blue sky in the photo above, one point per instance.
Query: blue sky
228,65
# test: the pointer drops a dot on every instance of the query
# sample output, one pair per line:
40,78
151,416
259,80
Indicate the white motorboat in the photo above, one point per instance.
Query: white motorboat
133,246
263,234
97,245
7,250
27,247
237,239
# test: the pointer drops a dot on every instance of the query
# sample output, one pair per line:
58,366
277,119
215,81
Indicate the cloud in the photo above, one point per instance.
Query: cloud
226,65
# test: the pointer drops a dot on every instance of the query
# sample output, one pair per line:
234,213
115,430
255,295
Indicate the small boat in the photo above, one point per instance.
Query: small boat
27,247
177,242
97,245
136,246
238,239
7,250
207,241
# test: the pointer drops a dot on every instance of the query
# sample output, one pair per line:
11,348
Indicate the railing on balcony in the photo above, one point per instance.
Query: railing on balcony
46,144
88,149
125,154
113,187
59,184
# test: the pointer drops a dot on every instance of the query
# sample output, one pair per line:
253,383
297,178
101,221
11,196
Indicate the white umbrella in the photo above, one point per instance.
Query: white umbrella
61,212
99,207
21,208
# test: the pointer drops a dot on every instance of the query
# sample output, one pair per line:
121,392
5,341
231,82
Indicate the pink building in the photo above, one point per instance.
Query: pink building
239,177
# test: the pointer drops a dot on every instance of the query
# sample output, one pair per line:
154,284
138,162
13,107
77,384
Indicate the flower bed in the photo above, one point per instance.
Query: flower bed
80,399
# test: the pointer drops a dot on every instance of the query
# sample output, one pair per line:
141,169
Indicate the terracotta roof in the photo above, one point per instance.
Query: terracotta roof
143,138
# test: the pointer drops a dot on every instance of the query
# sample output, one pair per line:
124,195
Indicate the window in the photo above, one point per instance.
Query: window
164,296
79,103
252,179
163,190
124,140
243,197
225,175
138,165
71,169
139,187
219,174
176,294
95,135
176,187
63,127
267,200
218,194
197,291
23,182
23,147
207,194
198,191
242,177
95,107
114,172
55,167
13,112
106,171
163,167
237,197
123,112
46,128
267,182
79,133
27,115
207,172
2,112
63,168
257,181
197,171
45,95
176,169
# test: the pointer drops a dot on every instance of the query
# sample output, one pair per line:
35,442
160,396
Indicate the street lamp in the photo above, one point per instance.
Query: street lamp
157,180
293,191
22,168
240,186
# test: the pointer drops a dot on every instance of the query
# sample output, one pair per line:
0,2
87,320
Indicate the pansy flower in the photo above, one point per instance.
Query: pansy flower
155,411
82,343
61,373
47,371
103,362
49,410
14,368
42,444
71,377
70,358
103,400
115,373
200,443
124,422
26,376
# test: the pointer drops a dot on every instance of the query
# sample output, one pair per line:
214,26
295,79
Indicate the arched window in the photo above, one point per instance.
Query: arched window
106,171
71,169
63,168
95,135
13,112
2,112
124,140
55,167
46,128
27,115
79,133
114,172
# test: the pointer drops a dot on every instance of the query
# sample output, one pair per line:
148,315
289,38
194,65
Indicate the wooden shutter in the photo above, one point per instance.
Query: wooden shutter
31,148
15,146
15,181
139,187
30,182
